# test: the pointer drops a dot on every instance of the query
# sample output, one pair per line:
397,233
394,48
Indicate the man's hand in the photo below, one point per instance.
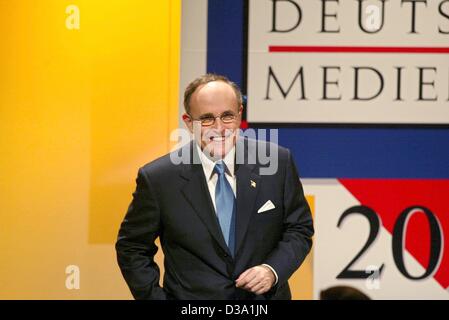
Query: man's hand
258,279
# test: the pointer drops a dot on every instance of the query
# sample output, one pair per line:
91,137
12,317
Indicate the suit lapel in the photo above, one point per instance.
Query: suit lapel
248,183
197,194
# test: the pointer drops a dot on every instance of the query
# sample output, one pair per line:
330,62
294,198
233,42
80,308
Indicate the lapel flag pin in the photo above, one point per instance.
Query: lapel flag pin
253,184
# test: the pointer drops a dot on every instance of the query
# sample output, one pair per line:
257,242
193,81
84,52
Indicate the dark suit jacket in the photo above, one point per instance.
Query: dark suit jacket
173,202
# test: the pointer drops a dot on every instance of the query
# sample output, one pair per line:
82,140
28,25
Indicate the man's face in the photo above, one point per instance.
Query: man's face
214,99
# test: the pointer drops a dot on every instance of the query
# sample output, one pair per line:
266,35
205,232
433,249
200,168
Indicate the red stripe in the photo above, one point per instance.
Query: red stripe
332,49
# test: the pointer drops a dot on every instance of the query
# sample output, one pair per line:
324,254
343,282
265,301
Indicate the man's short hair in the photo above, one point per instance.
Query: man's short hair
209,77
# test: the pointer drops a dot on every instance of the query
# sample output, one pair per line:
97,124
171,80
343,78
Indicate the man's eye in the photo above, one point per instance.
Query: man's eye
227,116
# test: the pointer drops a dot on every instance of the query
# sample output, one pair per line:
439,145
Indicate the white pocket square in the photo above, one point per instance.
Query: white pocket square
267,206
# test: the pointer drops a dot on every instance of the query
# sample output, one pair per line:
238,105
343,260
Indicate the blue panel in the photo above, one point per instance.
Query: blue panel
369,153
225,39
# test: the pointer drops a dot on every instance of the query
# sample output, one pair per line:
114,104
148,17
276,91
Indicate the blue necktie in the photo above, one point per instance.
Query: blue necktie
226,206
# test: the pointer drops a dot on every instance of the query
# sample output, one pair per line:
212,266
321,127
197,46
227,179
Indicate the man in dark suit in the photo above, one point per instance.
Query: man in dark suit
228,229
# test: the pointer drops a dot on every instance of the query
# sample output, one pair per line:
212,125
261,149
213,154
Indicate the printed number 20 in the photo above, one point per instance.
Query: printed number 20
397,243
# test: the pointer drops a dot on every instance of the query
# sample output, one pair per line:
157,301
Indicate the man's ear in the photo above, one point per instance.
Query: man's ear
241,109
188,121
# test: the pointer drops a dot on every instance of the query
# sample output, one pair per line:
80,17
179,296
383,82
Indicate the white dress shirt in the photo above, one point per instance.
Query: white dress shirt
212,178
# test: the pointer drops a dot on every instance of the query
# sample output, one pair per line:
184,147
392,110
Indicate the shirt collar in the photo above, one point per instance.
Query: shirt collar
209,165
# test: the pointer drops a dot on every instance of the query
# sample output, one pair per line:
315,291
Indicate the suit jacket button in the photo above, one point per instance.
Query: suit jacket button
225,255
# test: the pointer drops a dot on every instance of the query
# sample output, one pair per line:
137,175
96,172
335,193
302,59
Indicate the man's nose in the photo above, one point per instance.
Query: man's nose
218,124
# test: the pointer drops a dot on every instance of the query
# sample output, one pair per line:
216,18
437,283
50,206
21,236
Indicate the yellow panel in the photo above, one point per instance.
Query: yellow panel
131,101
80,110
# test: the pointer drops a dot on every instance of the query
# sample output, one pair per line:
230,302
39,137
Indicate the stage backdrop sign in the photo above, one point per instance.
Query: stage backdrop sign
360,61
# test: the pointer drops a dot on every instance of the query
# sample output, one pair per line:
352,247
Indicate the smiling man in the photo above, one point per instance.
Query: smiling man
207,101
227,230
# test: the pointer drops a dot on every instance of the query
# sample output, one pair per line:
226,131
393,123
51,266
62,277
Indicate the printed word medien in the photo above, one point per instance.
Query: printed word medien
421,78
